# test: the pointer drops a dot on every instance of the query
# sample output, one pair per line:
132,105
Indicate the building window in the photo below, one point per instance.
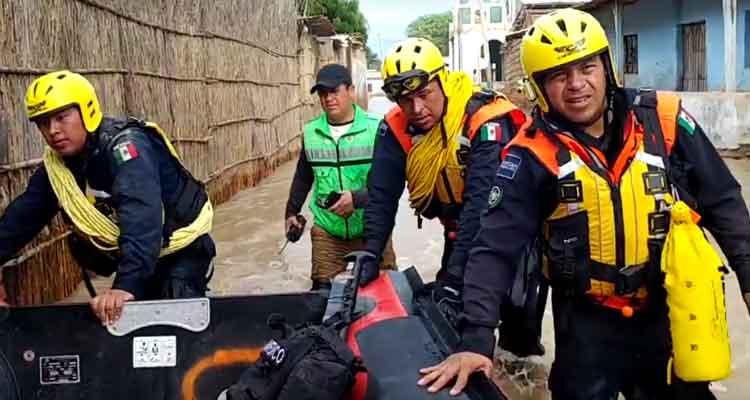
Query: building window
464,16
496,15
631,54
496,59
747,39
481,52
464,1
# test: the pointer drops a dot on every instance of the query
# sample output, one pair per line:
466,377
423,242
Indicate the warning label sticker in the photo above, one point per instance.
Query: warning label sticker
154,351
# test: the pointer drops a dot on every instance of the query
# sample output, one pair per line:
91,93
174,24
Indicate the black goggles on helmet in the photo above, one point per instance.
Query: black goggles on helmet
407,82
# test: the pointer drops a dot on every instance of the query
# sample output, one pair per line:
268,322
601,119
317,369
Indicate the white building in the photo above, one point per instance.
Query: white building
374,83
476,36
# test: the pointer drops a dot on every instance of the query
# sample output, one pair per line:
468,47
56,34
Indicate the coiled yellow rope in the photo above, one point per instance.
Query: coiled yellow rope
101,231
432,154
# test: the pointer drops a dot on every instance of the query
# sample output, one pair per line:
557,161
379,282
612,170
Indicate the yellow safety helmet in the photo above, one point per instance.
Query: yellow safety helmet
60,89
410,66
559,38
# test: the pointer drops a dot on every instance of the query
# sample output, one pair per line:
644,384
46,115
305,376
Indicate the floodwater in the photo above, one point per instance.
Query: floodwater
249,234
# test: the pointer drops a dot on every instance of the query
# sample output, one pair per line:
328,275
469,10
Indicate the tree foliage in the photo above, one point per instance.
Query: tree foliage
344,14
433,27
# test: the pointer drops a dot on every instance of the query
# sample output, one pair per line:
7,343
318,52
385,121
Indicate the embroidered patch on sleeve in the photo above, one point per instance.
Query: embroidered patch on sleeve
490,131
496,195
686,122
125,152
509,166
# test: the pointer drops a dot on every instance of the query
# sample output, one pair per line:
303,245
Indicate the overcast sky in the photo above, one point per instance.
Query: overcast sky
388,18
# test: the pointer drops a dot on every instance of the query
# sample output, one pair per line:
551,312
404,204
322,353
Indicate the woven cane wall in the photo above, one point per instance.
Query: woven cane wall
226,79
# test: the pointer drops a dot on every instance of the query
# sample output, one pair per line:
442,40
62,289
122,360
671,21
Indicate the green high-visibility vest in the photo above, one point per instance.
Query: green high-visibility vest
340,167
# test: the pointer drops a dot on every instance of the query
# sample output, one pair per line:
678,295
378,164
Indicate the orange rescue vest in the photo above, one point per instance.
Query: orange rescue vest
606,233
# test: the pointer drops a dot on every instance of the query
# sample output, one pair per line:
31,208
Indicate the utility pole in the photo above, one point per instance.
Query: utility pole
380,47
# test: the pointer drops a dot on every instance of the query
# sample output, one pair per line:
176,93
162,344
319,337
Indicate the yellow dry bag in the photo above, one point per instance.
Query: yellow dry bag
694,280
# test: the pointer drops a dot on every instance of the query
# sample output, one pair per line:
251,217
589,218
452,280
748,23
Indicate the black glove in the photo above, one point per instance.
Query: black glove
369,270
520,340
521,328
446,294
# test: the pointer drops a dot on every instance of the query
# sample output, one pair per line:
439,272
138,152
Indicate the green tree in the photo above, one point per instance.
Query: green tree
344,14
433,27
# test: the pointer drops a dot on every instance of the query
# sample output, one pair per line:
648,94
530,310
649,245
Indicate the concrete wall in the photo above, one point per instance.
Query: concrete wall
723,116
710,12
358,66
656,22
338,49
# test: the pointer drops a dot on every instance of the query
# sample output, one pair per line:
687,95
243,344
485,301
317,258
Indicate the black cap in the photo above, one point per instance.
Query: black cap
331,76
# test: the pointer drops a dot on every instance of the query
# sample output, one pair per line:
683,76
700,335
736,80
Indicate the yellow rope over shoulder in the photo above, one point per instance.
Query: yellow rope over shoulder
430,155
101,231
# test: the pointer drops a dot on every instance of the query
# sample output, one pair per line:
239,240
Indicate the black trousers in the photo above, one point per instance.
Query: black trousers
599,353
448,244
183,274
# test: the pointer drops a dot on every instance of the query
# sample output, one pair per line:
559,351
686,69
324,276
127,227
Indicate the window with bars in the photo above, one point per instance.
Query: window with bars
496,15
631,54
464,15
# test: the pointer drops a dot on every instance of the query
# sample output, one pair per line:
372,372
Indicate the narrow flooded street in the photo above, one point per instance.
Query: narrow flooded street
249,234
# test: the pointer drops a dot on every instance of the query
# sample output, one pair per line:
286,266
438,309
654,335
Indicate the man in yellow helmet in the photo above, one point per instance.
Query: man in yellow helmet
442,140
149,213
594,171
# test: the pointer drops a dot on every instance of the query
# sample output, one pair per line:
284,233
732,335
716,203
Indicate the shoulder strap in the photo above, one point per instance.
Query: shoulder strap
658,112
396,121
540,145
668,108
485,106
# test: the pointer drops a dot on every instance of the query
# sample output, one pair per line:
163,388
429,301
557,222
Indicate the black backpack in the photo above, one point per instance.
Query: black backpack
312,363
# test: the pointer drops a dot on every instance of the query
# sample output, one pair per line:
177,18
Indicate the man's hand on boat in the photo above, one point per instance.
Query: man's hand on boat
458,366
108,305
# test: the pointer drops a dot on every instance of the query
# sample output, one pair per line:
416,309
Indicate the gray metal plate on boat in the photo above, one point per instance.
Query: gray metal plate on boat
190,314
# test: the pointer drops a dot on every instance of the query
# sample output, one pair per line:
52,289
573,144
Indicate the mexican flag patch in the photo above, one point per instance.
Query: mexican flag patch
125,151
686,122
490,131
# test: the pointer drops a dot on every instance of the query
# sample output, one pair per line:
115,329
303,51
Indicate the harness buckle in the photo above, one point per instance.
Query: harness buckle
630,279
